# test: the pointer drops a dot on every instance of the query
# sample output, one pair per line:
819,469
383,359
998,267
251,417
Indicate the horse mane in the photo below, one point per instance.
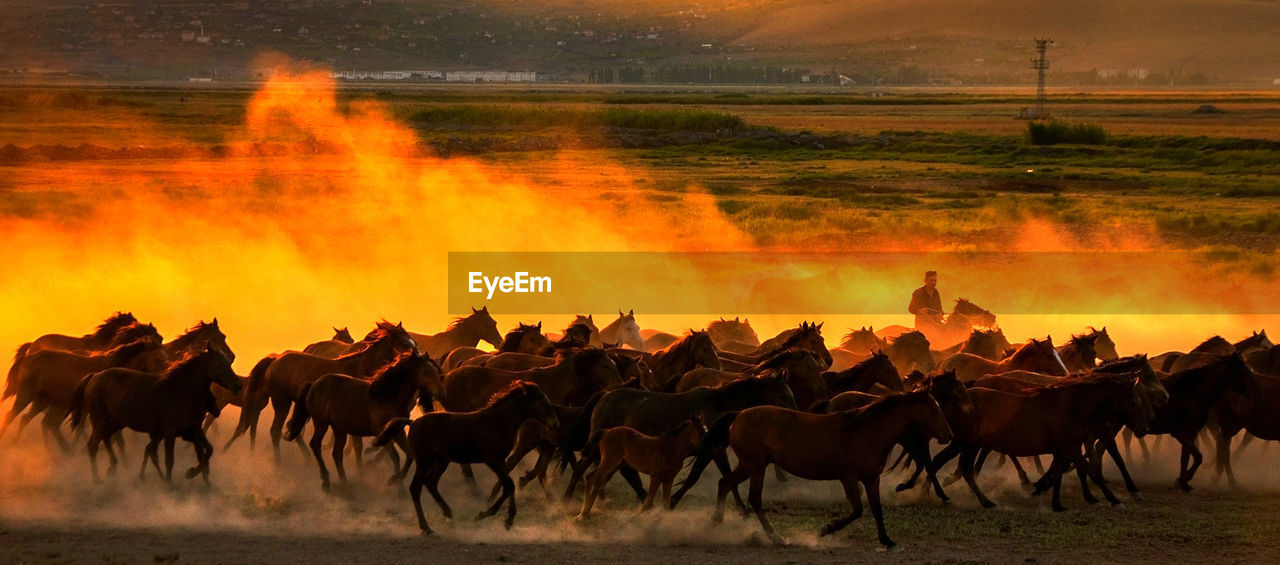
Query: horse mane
804,330
113,324
379,333
1208,345
516,388
385,383
512,340
908,338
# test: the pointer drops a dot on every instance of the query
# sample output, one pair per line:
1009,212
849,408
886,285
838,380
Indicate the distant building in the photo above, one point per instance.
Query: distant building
1140,74
491,76
386,75
1108,73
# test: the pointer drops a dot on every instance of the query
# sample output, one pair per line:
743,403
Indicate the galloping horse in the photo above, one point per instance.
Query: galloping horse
850,447
1036,355
806,336
462,332
356,407
197,338
483,436
525,338
99,340
286,375
1079,353
570,381
166,406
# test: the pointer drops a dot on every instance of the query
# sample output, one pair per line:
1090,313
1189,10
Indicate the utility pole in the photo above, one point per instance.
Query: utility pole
1040,64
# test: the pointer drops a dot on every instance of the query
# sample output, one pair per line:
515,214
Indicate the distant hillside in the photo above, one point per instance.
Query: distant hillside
1150,42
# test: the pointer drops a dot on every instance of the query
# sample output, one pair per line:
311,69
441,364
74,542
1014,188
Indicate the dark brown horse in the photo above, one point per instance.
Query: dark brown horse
988,343
331,348
198,338
1257,415
482,436
733,335
850,447
571,381
252,400
286,375
655,413
1102,344
165,406
1035,355
552,444
46,380
800,368
99,340
807,336
692,351
525,338
877,369
910,352
1192,396
1265,361
1078,353
660,457
359,408
462,332
1057,420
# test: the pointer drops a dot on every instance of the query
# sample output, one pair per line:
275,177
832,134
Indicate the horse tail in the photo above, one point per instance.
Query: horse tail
258,375
392,428
715,441
11,381
77,401
300,414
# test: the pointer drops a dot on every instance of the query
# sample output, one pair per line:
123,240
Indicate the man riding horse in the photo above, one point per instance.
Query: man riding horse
926,305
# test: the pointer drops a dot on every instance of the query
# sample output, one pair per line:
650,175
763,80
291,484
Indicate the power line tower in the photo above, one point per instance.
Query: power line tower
1040,64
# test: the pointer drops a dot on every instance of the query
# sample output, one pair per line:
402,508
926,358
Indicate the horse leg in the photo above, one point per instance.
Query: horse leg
37,405
20,403
1039,465
149,454
728,482
1196,459
1246,440
433,475
415,493
755,497
280,411
1110,447
168,458
965,466
589,458
1224,457
1022,474
633,478
403,441
872,486
666,492
394,456
497,504
339,444
949,452
94,440
357,450
1082,471
52,424
591,489
317,443
654,484
111,458
852,493
509,491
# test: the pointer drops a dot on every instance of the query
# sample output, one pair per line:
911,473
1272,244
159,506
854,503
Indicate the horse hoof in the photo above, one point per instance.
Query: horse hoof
946,501
826,531
580,518
192,472
427,532
717,517
508,524
777,539
482,515
895,548
988,504
901,487
1138,497
1119,506
1059,508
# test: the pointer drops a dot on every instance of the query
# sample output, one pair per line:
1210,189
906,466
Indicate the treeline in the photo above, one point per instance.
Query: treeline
709,74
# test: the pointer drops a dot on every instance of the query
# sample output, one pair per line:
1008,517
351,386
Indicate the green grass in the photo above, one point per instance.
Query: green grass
1055,132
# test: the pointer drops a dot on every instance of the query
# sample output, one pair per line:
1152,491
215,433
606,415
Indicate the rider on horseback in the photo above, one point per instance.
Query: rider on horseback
926,305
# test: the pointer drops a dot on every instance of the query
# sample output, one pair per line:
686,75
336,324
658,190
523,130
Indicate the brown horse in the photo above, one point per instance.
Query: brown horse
198,338
733,335
462,332
988,343
286,375
331,348
1078,353
482,436
623,331
655,340
1265,361
551,444
252,400
1058,420
570,381
807,336
360,408
165,406
592,337
1192,396
660,457
910,352
850,447
99,340
800,368
1102,344
46,379
1208,350
655,413
692,351
964,316
877,369
525,338
863,340
1257,415
1036,355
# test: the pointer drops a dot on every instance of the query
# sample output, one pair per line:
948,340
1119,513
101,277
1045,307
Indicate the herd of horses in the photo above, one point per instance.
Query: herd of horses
595,402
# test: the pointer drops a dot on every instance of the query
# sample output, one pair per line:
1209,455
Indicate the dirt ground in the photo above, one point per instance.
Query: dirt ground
259,512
